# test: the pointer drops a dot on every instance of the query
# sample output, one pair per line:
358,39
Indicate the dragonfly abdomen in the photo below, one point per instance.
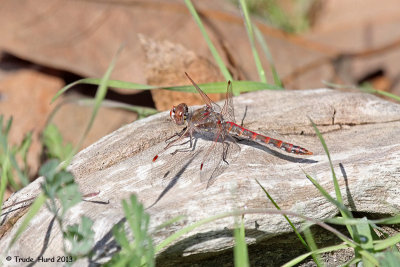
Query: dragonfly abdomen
237,130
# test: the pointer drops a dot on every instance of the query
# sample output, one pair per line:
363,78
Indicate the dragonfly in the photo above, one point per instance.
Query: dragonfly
220,122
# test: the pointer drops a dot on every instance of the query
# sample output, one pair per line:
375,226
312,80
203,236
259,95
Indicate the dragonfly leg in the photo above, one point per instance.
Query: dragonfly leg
229,145
181,144
180,135
190,148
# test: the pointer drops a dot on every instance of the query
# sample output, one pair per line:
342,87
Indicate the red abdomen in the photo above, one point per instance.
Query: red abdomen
237,130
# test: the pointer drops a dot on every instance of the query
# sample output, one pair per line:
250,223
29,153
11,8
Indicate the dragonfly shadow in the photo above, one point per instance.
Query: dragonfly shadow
97,202
45,241
178,248
348,193
105,248
269,150
182,158
275,153
173,181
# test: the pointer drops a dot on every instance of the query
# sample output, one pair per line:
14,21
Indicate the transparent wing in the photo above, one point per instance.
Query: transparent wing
205,98
223,152
182,163
228,112
174,163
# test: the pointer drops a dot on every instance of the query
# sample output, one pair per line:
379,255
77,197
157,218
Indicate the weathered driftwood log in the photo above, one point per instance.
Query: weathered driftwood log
361,131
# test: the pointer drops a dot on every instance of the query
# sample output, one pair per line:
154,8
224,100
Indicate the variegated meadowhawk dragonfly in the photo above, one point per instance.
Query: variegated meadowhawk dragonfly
221,123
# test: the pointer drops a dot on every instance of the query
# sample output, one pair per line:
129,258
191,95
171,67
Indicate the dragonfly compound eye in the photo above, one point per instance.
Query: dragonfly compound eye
179,114
172,112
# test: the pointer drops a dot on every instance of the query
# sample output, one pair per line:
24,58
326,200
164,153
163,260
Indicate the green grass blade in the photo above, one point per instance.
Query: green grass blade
7,151
110,83
313,246
208,88
344,211
1,126
353,262
388,258
66,88
100,94
220,87
120,235
268,55
8,126
81,238
335,182
365,87
300,258
364,230
286,217
214,52
387,94
342,208
141,111
341,221
391,220
54,143
120,84
368,258
23,151
189,228
241,256
5,165
249,29
33,210
140,252
169,222
338,86
386,243
23,178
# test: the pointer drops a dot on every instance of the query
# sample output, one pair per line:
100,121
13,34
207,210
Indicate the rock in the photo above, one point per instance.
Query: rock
26,96
72,119
360,131
166,64
340,40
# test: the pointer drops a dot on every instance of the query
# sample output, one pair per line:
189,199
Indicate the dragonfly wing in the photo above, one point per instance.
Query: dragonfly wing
172,163
205,98
222,152
228,110
230,151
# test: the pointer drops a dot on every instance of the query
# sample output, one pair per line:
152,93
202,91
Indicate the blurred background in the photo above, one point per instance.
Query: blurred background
48,44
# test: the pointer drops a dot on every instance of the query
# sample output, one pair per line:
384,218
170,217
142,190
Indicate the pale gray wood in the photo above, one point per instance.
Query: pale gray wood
360,130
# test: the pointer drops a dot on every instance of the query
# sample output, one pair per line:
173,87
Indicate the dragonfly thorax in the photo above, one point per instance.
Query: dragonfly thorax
179,113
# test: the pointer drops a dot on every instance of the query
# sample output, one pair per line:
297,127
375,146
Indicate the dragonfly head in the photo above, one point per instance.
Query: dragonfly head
179,114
